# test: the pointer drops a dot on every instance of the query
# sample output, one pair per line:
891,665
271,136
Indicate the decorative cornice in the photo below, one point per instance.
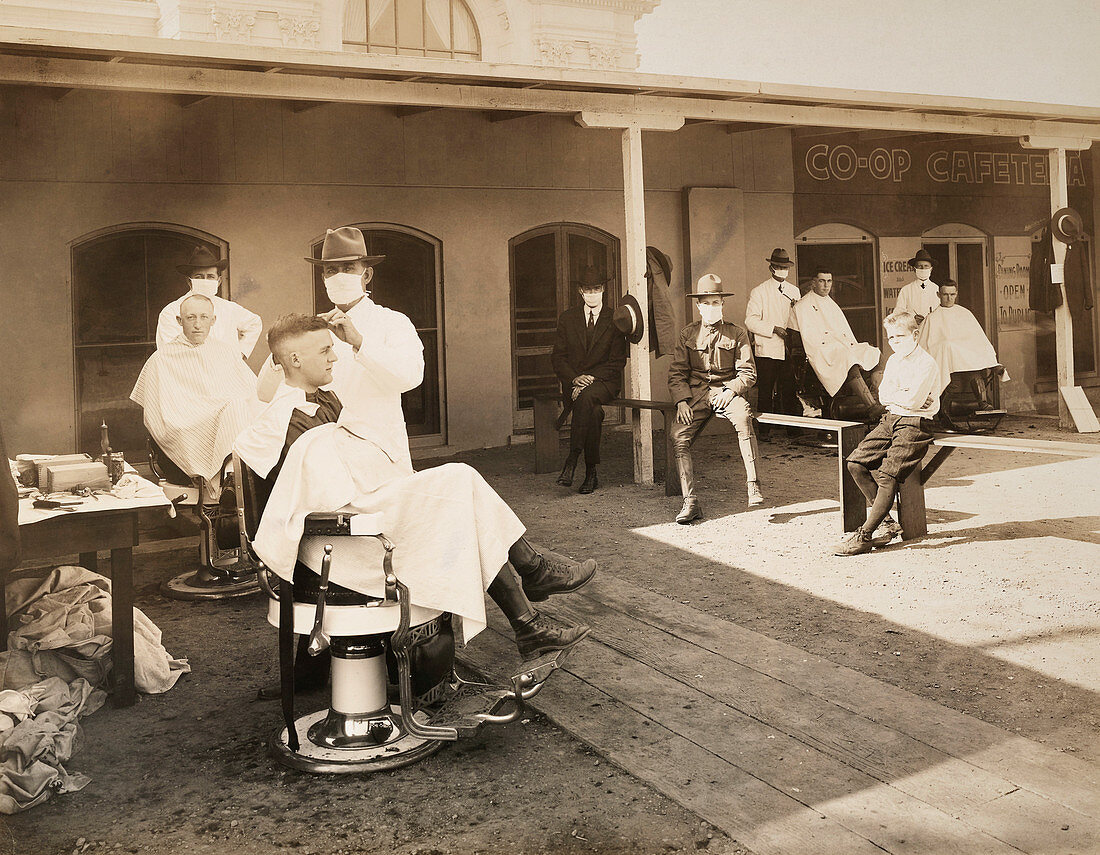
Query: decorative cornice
558,52
233,25
636,7
300,30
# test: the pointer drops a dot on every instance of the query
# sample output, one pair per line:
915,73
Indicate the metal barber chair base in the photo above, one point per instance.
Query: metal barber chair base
222,573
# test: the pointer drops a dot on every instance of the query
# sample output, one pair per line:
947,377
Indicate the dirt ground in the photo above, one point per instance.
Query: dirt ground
993,614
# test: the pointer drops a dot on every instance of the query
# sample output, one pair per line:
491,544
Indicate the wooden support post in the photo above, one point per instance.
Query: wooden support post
634,277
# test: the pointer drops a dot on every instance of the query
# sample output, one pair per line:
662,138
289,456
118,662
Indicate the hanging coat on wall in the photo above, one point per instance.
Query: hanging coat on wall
1045,296
663,325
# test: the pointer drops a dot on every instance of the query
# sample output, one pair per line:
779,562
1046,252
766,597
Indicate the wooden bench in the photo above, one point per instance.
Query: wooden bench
911,508
853,505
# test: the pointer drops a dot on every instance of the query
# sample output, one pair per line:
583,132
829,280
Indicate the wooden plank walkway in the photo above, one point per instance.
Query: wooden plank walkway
789,753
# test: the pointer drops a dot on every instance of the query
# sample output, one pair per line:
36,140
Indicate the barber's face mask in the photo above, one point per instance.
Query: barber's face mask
206,287
344,288
711,315
780,273
924,274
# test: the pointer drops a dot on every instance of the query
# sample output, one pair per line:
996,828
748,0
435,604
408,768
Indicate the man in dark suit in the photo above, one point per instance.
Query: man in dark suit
589,356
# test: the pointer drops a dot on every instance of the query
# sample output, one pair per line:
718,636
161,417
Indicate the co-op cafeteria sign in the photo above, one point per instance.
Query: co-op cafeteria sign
952,167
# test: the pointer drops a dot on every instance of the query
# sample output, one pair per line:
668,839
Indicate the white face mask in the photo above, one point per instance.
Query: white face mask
592,299
904,346
206,287
344,288
781,274
711,315
924,275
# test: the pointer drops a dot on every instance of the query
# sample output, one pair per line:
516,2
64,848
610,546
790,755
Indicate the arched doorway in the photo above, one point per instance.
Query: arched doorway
849,252
409,281
122,277
959,252
544,263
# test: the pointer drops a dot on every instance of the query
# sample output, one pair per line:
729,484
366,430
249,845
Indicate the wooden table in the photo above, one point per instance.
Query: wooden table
114,527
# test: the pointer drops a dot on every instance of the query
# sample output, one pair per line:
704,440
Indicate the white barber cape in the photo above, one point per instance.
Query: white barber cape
371,381
957,342
920,298
233,324
830,344
196,399
769,307
450,529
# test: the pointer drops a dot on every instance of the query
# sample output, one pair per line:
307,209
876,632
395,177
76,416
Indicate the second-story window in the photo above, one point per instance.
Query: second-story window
443,29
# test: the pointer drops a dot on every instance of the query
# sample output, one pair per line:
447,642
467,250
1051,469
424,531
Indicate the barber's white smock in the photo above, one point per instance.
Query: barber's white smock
830,344
955,339
195,400
450,529
920,298
233,324
370,381
769,307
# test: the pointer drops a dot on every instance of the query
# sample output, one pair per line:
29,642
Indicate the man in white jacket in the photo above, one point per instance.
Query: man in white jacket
766,317
919,297
233,325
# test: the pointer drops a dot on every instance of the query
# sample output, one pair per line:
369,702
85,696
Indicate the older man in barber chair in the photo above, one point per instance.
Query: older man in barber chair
235,325
197,394
456,539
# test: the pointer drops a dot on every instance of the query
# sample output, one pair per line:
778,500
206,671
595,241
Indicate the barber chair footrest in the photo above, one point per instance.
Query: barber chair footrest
403,750
467,703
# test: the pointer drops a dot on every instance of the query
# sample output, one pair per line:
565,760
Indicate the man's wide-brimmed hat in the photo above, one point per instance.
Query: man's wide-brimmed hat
780,258
710,285
345,244
591,277
628,319
201,257
1066,225
922,255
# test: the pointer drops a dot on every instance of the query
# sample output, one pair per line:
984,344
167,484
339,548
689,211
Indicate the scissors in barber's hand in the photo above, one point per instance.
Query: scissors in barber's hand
342,326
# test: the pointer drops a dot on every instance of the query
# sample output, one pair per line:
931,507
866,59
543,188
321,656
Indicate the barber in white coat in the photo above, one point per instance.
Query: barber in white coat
766,317
233,324
920,296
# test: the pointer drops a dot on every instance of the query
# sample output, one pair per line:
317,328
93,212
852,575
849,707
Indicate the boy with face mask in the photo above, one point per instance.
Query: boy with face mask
233,324
712,368
897,444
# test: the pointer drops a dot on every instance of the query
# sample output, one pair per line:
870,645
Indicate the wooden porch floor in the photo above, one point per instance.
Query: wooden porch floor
791,754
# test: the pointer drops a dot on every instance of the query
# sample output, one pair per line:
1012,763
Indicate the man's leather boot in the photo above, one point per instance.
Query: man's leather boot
567,470
690,511
542,634
591,482
546,573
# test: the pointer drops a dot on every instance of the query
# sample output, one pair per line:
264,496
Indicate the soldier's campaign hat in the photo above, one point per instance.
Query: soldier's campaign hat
345,244
709,285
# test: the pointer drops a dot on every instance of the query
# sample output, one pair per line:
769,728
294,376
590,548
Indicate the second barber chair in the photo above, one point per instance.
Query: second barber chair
225,570
396,696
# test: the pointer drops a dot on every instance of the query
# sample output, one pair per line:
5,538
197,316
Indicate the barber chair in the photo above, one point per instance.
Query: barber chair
813,396
396,697
225,569
963,407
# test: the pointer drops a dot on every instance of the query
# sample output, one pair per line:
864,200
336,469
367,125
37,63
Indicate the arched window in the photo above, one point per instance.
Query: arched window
443,29
959,252
409,281
850,253
122,277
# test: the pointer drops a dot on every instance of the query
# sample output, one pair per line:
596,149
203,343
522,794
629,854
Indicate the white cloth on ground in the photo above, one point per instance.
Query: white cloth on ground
920,298
769,306
371,381
233,324
40,731
957,342
451,530
196,399
61,627
830,344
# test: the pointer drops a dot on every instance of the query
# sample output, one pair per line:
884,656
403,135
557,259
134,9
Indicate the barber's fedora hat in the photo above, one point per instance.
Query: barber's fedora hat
922,255
628,319
780,258
1066,225
345,244
590,277
200,257
710,285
